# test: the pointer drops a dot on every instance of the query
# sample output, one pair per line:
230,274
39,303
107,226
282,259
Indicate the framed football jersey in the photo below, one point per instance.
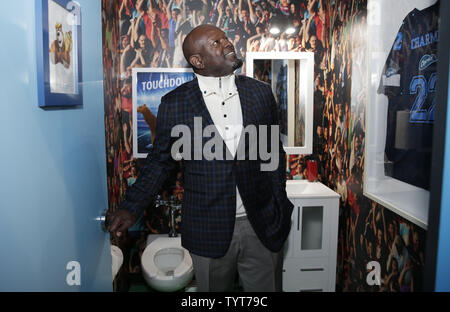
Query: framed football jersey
403,67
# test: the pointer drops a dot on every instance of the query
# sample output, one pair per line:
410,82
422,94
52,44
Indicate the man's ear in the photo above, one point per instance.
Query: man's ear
196,61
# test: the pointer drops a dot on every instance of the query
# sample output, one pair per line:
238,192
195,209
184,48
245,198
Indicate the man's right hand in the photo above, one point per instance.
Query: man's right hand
120,221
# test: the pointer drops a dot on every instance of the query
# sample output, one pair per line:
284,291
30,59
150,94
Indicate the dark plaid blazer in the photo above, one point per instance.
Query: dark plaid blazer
209,199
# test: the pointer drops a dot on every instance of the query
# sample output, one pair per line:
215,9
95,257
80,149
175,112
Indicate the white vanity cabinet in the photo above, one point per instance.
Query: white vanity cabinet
310,253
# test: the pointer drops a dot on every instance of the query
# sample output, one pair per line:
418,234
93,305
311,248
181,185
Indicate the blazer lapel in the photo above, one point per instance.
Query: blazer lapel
249,116
247,103
198,104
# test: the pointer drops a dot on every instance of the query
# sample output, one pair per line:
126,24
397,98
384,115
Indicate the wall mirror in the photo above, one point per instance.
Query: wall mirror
291,75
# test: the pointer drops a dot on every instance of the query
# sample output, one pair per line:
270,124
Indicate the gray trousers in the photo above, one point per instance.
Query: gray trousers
260,270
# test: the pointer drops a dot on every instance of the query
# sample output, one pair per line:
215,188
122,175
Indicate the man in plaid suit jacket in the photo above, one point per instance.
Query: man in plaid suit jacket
218,241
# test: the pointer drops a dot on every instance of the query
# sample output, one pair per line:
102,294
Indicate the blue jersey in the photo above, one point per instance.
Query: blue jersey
409,80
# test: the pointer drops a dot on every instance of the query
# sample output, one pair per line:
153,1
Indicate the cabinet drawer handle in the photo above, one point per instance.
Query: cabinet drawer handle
311,290
312,270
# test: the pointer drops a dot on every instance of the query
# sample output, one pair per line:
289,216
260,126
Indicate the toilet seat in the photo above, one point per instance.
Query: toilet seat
148,259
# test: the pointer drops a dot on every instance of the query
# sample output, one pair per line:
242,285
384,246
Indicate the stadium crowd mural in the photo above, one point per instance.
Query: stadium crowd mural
149,33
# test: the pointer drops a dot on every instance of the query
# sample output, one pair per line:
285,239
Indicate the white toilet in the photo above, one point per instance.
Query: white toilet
166,265
117,260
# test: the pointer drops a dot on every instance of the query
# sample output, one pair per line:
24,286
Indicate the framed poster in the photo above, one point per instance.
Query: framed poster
149,86
58,42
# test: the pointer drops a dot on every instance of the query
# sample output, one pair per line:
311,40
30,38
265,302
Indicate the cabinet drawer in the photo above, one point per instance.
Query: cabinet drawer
312,264
313,281
311,274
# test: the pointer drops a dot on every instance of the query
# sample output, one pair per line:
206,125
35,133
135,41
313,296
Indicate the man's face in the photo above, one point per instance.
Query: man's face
391,229
175,14
125,41
319,131
142,41
244,14
313,42
259,30
164,33
217,53
127,89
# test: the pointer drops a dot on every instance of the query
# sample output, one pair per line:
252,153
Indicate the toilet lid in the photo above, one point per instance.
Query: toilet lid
148,263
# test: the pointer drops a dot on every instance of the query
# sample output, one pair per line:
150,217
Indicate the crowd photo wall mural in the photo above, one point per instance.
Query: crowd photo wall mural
150,33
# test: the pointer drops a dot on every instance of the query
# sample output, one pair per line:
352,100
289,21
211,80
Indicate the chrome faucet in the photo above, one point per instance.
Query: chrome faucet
174,205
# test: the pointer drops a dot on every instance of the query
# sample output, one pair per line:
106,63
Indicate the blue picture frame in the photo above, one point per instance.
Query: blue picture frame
59,59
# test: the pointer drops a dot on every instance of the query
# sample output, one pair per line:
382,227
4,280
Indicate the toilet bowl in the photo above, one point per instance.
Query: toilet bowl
117,260
166,265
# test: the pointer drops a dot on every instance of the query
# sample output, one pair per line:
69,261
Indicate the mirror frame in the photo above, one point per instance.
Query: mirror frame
306,92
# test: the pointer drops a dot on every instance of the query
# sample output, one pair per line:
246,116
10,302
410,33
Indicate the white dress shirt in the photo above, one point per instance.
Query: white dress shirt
222,101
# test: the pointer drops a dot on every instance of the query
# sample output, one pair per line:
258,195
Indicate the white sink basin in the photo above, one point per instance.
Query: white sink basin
303,188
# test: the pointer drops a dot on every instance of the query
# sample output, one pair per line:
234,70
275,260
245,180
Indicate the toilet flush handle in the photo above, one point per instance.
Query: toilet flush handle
103,218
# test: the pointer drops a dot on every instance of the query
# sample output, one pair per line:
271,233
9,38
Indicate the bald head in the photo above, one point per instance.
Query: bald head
209,51
194,39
